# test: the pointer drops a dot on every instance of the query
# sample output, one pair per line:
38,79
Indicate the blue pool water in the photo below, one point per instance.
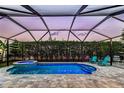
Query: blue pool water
53,68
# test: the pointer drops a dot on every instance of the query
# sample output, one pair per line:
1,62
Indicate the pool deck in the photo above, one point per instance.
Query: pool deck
104,77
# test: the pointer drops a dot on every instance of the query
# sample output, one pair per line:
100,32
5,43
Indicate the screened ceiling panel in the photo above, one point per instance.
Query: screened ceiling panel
56,9
94,7
30,22
120,16
24,37
59,35
117,39
17,7
86,22
38,34
58,22
80,34
107,11
95,37
73,38
12,12
8,28
111,27
46,37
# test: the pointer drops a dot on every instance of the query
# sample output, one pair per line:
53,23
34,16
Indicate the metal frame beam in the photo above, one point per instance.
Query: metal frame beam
43,36
3,37
76,36
59,29
7,57
11,19
101,34
116,36
107,17
81,9
35,12
6,38
100,9
82,30
95,27
31,14
77,13
21,27
70,30
118,19
104,40
19,15
17,34
111,38
117,13
14,10
71,27
111,55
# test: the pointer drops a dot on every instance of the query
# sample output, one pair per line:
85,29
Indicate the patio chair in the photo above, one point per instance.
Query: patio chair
105,61
93,59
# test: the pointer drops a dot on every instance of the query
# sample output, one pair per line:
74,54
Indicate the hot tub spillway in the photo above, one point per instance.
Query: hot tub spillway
26,63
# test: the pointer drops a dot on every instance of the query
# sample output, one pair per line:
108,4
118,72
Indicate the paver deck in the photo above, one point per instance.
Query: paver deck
104,77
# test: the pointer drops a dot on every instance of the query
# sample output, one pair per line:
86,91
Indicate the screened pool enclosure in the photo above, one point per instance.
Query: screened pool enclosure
60,32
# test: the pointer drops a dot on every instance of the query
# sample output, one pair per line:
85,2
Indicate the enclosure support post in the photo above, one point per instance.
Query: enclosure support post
37,50
81,53
111,57
7,56
22,51
100,49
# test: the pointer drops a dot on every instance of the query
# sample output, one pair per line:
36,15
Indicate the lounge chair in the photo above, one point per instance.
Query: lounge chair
105,61
93,59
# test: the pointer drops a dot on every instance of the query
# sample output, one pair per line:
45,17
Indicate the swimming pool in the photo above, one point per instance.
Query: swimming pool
53,68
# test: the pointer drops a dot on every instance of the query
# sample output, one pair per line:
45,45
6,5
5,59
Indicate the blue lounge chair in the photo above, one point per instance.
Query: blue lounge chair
105,61
93,59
